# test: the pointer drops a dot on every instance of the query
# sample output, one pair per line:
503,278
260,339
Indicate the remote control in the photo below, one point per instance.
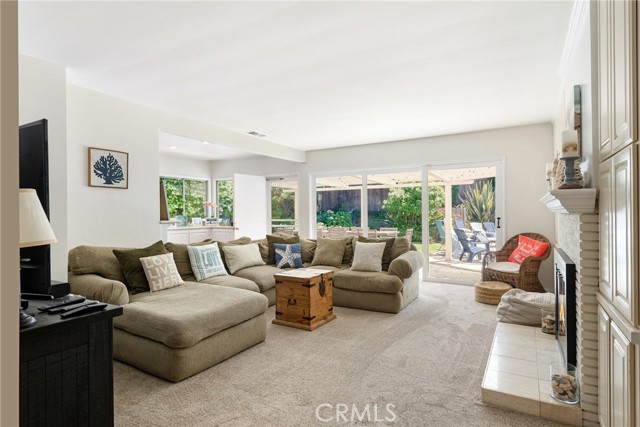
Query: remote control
83,310
68,300
67,308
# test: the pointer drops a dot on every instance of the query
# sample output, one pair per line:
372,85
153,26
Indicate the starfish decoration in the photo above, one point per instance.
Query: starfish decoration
288,258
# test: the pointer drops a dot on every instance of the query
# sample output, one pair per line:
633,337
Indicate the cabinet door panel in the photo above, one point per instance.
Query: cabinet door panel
604,118
178,236
622,71
621,378
606,225
199,235
604,386
624,208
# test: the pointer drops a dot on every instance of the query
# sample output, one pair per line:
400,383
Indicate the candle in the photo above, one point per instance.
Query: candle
569,144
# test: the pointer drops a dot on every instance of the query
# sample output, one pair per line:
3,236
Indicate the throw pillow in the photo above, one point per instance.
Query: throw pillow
237,242
368,256
206,261
161,272
181,257
527,247
272,239
242,256
349,243
400,246
308,248
329,252
129,260
386,256
288,256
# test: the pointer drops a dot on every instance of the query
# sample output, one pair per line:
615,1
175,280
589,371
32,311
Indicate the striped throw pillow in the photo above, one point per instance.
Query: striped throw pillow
206,261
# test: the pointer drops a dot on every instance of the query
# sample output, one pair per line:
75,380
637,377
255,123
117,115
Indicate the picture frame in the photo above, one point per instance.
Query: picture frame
108,168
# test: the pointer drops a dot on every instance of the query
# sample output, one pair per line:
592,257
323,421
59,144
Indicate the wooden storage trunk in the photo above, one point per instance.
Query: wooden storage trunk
304,298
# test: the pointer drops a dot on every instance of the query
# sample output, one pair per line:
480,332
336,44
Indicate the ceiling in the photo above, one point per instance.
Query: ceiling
183,146
315,74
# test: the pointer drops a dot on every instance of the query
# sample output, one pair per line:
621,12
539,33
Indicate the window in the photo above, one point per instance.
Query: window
338,200
224,200
283,204
186,198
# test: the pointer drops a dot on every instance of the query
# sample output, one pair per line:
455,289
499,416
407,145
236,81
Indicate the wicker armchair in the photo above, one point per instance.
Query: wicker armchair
526,278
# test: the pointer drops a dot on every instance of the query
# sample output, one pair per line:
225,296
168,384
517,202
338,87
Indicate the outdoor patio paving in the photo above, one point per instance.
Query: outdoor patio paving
455,270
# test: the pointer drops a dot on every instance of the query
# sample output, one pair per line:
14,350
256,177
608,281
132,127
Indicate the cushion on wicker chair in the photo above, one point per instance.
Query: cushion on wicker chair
524,308
505,267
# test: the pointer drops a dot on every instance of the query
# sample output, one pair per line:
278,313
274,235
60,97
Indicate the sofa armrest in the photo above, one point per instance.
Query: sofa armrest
97,287
406,264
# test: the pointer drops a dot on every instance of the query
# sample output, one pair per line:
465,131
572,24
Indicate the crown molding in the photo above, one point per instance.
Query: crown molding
578,13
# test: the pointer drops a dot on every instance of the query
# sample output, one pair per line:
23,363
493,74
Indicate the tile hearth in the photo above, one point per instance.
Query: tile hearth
517,374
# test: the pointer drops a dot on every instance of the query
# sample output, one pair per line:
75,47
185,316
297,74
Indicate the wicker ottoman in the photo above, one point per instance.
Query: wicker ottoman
491,292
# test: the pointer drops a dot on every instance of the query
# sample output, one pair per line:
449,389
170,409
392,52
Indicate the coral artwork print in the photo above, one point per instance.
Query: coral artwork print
108,168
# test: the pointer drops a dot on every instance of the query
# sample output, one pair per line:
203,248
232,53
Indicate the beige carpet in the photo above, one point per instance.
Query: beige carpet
427,361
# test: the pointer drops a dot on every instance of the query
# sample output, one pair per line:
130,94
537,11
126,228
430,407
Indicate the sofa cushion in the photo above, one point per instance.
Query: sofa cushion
401,245
98,260
180,317
232,282
161,272
288,256
329,252
278,238
386,256
262,275
349,247
181,257
264,249
206,261
364,281
242,256
237,242
129,260
368,257
308,249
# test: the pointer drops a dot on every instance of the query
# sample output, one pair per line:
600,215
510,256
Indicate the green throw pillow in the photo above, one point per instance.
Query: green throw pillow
329,252
308,248
278,238
129,260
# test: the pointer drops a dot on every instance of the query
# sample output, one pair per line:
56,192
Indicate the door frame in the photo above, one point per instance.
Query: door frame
500,203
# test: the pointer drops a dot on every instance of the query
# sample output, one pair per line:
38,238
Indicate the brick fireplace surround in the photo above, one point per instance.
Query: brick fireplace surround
577,236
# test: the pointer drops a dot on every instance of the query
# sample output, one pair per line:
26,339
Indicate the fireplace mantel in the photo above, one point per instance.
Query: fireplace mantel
571,201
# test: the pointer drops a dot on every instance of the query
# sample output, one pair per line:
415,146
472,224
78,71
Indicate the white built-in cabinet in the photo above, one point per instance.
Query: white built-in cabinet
198,234
616,121
618,207
616,66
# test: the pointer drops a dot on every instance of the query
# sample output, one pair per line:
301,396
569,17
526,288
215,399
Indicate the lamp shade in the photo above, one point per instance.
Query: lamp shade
35,229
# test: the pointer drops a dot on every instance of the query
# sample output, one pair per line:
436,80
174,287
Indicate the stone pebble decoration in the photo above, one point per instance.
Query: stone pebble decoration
564,387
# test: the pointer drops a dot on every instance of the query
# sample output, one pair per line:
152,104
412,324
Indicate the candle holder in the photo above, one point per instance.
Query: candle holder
571,180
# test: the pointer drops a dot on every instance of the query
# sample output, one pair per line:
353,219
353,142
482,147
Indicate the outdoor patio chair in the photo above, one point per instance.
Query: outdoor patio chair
489,229
496,267
389,231
440,228
409,234
480,235
337,232
468,247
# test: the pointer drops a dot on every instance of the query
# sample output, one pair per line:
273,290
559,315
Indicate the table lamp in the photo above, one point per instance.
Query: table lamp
35,230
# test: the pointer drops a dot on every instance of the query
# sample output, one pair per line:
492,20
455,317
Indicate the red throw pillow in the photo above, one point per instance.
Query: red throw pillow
527,247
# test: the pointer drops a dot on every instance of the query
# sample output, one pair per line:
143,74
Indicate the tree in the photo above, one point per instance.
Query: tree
225,199
479,201
108,168
404,209
283,203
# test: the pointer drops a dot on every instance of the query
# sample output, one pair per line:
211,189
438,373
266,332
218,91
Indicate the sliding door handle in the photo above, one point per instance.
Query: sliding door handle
498,222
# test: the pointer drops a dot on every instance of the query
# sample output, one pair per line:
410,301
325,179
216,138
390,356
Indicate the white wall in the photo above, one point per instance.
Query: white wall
257,165
108,216
43,96
183,167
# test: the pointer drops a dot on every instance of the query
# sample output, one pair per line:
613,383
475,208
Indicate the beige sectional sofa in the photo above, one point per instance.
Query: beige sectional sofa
178,332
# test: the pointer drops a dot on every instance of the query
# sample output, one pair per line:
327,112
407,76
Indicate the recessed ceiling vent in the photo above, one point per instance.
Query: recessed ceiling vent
258,134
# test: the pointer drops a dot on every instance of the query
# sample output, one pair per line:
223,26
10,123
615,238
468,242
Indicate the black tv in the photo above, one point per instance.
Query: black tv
35,262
